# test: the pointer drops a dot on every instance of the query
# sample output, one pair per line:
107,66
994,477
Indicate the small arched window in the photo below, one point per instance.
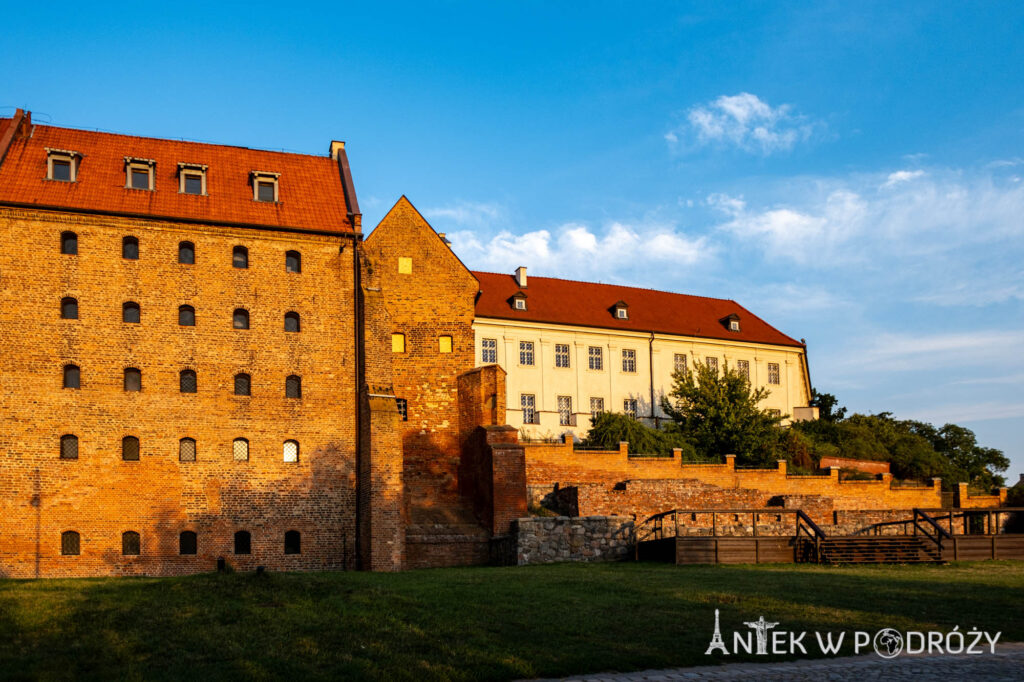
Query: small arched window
70,543
69,308
186,253
131,544
240,257
130,248
132,379
240,450
293,542
69,243
69,446
241,318
188,542
292,322
72,376
293,261
243,542
187,450
293,387
398,343
291,451
130,449
243,384
187,381
186,316
131,313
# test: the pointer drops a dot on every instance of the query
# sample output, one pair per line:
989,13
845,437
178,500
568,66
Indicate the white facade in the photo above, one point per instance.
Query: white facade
631,363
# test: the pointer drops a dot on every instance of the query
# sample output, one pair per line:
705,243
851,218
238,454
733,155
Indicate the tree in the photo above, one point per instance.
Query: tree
608,429
827,406
718,412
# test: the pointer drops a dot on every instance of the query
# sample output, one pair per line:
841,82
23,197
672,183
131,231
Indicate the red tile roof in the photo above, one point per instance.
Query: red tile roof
310,187
586,304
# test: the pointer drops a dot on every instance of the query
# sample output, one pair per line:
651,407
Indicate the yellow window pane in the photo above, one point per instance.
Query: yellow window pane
405,266
398,343
445,344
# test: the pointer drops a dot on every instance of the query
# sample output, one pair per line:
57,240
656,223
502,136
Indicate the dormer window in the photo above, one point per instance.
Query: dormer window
61,165
192,178
520,304
731,322
264,186
518,301
139,173
620,310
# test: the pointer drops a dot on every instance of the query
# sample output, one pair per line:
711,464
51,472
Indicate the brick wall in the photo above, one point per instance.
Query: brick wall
101,496
552,540
867,466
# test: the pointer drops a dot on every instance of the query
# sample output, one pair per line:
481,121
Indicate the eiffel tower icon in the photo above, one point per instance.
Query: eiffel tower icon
716,639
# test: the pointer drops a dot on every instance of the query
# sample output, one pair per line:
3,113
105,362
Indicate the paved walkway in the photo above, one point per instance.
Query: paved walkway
1006,664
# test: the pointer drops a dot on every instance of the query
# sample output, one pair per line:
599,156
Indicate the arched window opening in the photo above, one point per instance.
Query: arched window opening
72,376
293,542
70,543
131,544
243,542
130,449
240,450
293,387
69,446
291,451
188,542
187,381
130,248
243,384
240,319
187,450
69,308
240,257
293,261
131,313
187,253
186,316
69,243
132,379
292,322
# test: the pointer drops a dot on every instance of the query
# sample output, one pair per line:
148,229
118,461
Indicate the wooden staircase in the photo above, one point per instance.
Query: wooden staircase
879,549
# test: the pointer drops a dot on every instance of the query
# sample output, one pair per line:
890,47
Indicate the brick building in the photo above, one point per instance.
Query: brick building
193,361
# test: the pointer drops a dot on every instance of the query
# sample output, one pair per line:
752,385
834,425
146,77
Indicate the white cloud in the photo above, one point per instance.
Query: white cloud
902,176
912,352
743,121
465,214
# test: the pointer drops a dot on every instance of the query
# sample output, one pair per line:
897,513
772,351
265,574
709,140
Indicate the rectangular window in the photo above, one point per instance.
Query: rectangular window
444,344
265,186
140,178
526,353
398,343
264,191
404,265
403,408
628,360
192,178
629,407
561,355
743,367
565,416
490,351
596,406
679,362
193,184
773,373
712,364
61,170
595,354
774,413
139,172
61,165
529,405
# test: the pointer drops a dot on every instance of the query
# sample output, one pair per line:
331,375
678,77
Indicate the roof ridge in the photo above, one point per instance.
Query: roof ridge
98,131
622,286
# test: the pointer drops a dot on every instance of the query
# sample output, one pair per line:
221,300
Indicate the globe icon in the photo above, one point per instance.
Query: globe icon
888,643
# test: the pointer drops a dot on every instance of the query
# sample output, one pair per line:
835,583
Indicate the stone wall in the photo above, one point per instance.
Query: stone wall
558,539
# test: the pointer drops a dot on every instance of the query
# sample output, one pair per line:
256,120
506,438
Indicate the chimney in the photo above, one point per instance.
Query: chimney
521,276
447,242
336,147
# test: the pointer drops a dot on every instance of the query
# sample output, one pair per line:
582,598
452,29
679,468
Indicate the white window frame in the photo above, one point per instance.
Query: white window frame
622,313
734,325
628,361
596,406
526,351
598,356
679,362
528,403
62,155
743,367
565,415
265,176
134,163
774,373
520,303
562,356
489,351
712,363
631,407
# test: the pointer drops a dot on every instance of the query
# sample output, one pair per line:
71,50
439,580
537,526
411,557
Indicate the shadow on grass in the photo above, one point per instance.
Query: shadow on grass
485,623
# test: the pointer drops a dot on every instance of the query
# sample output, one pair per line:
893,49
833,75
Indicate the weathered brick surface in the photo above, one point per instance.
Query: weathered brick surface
99,495
552,540
868,466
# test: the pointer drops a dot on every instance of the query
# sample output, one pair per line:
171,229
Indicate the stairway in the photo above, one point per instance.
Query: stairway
879,549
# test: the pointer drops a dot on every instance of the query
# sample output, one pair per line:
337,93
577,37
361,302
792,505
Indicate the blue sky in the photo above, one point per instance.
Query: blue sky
849,171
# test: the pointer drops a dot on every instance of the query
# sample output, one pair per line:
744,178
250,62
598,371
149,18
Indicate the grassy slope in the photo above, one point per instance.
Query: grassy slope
475,623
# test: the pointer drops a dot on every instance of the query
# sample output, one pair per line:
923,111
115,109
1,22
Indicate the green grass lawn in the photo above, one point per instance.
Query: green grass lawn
469,623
